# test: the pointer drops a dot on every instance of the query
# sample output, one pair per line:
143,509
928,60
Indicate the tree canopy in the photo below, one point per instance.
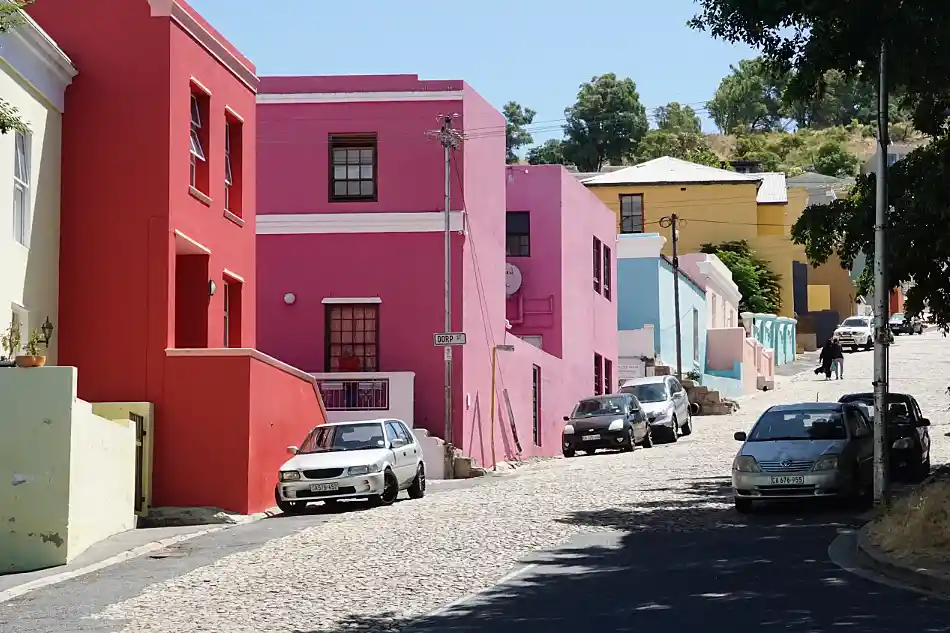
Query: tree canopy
749,99
517,118
759,286
808,39
11,17
550,152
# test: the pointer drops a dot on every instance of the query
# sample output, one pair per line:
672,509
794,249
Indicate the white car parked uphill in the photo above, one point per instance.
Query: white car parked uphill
371,459
855,332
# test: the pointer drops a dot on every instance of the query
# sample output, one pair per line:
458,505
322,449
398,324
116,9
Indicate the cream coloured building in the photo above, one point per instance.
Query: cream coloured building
34,75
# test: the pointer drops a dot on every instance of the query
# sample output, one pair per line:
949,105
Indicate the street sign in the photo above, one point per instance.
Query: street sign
449,338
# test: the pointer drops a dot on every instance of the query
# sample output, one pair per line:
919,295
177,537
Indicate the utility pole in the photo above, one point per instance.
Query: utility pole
450,139
671,221
881,294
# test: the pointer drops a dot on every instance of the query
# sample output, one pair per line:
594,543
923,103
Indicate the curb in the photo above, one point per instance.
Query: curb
916,577
142,550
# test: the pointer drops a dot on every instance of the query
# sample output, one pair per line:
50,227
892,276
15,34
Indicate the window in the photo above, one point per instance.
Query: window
392,432
631,213
404,432
536,404
233,166
200,103
608,376
607,280
598,375
21,188
518,234
597,262
352,338
227,320
353,168
695,335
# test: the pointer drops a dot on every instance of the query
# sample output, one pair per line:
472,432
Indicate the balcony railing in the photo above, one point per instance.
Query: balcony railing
355,395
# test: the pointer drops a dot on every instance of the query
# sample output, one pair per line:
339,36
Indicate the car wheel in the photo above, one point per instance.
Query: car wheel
568,453
390,491
688,427
647,438
854,349
590,451
628,443
289,507
743,506
418,488
869,344
674,430
923,471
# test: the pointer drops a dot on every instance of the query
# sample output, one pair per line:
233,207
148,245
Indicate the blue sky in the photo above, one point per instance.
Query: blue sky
531,51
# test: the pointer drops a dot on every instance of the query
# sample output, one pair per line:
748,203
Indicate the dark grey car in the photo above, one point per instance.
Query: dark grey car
614,421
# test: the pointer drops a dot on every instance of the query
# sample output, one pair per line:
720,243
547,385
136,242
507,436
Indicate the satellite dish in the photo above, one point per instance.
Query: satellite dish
512,279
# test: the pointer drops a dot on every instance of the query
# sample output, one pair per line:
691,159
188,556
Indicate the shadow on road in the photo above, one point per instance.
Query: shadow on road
672,566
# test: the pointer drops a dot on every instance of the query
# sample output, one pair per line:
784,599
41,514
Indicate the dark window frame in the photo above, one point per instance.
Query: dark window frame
366,141
607,277
328,346
608,376
536,404
520,233
627,218
598,374
598,263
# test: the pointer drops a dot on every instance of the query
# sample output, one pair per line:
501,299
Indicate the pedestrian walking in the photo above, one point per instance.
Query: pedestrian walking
837,358
826,359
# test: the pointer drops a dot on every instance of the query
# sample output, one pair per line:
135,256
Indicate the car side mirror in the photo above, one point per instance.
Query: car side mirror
567,418
292,450
398,443
740,436
923,422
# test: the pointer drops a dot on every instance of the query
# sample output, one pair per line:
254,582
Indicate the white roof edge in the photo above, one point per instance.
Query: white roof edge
34,34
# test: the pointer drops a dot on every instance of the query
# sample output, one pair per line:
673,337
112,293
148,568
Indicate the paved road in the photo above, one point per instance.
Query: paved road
646,541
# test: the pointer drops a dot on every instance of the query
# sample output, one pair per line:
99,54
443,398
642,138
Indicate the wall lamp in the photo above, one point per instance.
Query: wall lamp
212,287
47,329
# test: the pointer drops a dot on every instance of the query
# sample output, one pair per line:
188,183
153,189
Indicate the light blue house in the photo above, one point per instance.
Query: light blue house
645,304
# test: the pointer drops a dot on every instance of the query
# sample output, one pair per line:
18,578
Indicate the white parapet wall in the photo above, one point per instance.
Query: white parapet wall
67,477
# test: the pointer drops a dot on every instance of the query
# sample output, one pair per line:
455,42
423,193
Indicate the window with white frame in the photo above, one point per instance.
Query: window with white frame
228,180
197,150
21,188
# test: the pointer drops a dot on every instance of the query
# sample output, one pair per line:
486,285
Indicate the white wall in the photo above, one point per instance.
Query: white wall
722,293
401,396
34,74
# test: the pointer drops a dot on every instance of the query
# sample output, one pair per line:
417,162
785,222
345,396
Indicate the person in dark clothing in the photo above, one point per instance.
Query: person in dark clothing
837,358
826,358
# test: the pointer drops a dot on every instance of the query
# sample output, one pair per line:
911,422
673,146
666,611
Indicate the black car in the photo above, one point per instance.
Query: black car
907,433
614,421
902,324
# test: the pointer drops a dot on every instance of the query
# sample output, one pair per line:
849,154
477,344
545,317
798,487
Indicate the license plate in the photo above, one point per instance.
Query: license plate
590,438
788,481
324,487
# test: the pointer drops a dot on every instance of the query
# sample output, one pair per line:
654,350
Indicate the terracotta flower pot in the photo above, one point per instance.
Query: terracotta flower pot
30,361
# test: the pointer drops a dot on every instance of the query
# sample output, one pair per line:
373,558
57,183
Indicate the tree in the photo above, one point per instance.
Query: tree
682,145
605,124
832,159
10,18
841,100
749,98
809,39
755,147
760,287
517,136
550,152
675,117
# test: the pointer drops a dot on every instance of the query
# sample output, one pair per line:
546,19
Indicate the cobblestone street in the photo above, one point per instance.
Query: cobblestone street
390,564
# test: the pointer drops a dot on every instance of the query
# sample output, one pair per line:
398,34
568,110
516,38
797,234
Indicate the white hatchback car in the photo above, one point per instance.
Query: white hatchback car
369,459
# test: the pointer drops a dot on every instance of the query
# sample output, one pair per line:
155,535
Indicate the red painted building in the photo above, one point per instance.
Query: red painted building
157,299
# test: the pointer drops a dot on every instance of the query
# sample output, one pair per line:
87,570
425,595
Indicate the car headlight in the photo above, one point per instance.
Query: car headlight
568,429
364,470
616,425
664,415
826,462
903,443
289,475
746,464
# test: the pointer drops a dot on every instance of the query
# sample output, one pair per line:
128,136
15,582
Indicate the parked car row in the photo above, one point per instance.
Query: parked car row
645,408
825,449
900,323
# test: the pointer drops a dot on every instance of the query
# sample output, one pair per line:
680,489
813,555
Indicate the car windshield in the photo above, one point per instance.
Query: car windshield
855,322
897,318
814,424
344,437
648,392
599,406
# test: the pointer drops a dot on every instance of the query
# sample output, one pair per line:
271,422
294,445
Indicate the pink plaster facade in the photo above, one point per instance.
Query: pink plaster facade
387,252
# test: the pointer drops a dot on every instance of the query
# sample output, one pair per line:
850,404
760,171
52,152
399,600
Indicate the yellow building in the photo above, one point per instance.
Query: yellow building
712,205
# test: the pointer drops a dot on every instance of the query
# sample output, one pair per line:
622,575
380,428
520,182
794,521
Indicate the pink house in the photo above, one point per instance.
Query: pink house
350,258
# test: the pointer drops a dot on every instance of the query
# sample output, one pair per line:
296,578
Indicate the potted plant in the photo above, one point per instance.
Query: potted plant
10,342
32,358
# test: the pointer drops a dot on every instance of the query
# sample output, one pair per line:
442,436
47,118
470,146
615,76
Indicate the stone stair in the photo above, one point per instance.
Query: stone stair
710,401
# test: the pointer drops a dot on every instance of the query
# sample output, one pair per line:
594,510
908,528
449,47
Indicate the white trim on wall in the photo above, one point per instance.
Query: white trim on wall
639,245
720,277
39,61
207,40
359,97
348,300
321,223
